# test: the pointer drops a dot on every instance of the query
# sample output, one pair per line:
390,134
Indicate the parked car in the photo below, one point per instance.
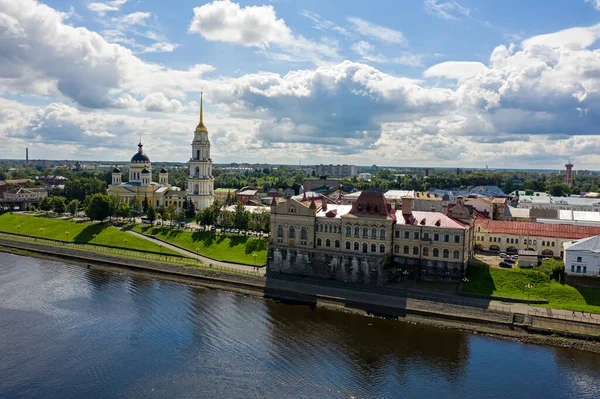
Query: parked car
509,260
502,254
515,256
505,264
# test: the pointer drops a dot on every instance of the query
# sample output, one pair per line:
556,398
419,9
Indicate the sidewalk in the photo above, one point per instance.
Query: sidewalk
204,260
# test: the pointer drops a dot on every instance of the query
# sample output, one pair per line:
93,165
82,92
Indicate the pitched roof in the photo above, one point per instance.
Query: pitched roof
587,244
429,219
538,229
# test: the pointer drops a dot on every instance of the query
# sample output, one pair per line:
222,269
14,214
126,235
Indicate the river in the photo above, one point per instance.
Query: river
70,332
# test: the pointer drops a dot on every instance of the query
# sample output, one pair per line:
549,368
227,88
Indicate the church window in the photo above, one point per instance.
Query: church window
373,247
292,233
348,231
280,231
197,154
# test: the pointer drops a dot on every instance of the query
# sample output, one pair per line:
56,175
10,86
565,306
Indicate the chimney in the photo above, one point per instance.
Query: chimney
460,200
407,205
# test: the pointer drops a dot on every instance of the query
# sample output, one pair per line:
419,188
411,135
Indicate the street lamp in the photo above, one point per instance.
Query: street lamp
529,287
197,255
41,232
67,234
18,229
94,237
254,256
160,246
125,242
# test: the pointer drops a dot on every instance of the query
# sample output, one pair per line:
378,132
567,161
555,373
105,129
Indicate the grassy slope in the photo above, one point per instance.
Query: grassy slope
512,283
81,232
226,248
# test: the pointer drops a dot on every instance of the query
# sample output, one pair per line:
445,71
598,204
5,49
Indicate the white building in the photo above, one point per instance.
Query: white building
336,170
582,257
560,203
201,190
364,176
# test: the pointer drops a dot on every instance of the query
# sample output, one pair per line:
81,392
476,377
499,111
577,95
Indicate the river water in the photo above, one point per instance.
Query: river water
70,332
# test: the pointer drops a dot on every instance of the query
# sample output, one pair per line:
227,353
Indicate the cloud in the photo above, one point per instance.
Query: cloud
449,9
573,38
102,8
368,53
594,3
324,24
455,70
256,26
160,48
374,31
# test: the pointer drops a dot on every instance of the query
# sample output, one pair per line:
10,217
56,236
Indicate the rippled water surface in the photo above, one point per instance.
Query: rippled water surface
67,331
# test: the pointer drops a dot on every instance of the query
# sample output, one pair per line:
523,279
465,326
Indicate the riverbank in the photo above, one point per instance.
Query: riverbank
417,311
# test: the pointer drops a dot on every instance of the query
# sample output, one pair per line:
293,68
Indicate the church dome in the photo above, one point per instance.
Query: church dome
140,157
163,170
116,170
145,171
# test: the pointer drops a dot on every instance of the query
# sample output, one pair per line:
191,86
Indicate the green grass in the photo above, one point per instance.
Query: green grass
80,232
512,283
225,248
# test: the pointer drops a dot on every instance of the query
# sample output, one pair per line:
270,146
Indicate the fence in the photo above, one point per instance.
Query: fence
118,251
589,319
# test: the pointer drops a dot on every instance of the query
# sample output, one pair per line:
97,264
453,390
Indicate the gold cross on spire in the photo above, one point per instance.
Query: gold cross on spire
201,127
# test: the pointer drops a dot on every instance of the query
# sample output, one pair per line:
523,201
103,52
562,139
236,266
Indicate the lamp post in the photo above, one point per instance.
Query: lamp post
254,256
94,237
67,234
160,246
19,229
125,242
529,287
41,232
197,255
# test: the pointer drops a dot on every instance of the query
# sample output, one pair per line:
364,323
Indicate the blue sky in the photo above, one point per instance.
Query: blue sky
408,83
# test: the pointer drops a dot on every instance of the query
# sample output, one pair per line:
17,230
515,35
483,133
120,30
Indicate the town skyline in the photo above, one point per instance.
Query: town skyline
431,83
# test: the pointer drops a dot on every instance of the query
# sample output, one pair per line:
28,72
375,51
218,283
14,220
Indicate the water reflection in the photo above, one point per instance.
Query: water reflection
69,331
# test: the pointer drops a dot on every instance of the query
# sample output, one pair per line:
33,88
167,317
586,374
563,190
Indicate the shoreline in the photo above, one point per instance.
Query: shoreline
260,288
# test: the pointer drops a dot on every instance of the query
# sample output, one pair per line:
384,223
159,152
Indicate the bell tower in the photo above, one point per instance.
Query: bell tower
200,180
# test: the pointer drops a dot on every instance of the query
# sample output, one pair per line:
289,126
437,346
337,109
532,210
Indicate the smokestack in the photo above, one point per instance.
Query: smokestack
569,174
26,156
407,205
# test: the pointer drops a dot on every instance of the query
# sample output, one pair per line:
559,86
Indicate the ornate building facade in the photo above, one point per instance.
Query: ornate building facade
201,189
368,241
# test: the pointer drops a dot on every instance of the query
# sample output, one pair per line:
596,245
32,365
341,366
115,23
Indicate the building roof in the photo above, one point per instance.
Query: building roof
225,190
516,212
524,229
145,171
334,211
247,192
116,170
139,156
591,244
429,219
163,170
398,194
564,201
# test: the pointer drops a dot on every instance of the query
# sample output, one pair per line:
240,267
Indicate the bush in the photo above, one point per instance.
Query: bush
553,269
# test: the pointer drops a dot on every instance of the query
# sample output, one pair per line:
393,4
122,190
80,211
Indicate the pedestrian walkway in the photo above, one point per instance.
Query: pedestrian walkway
204,260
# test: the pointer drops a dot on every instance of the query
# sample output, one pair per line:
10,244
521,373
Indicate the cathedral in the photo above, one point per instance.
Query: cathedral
140,185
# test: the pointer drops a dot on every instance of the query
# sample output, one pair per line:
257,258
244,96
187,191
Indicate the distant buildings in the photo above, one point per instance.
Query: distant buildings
548,207
364,176
221,194
336,170
323,185
20,197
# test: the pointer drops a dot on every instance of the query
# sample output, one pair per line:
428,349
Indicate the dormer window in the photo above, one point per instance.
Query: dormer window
292,209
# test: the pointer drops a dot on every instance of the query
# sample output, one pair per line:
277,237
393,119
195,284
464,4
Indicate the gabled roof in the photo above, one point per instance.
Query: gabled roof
429,219
591,244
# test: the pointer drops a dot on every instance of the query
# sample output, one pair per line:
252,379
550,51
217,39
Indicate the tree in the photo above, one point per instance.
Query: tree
145,204
79,187
228,200
73,206
99,207
123,210
171,213
46,204
151,214
162,212
59,204
558,189
190,209
136,206
241,216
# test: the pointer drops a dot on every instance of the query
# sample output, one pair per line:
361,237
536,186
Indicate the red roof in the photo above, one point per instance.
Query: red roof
524,229
430,219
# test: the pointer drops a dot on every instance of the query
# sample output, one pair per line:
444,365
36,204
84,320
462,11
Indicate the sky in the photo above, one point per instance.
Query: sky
448,83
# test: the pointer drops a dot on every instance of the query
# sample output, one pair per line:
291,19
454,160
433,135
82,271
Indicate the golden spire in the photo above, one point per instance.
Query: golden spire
201,127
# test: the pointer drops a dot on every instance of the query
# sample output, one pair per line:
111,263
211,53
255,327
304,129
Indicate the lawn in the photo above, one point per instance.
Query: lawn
512,283
220,247
80,232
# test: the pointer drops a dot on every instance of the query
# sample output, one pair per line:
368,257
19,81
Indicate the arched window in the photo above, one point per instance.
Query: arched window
373,247
280,231
382,234
303,233
446,237
292,232
456,254
292,209
319,242
552,243
543,243
415,250
337,243
335,228
373,232
436,252
348,245
328,242
416,235
516,240
406,249
348,231
197,171
197,154
364,249
425,251
365,232
382,248
446,253
356,246
396,248
512,240
356,230
196,188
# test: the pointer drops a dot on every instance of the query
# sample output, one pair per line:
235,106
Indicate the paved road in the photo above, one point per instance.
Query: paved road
206,261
